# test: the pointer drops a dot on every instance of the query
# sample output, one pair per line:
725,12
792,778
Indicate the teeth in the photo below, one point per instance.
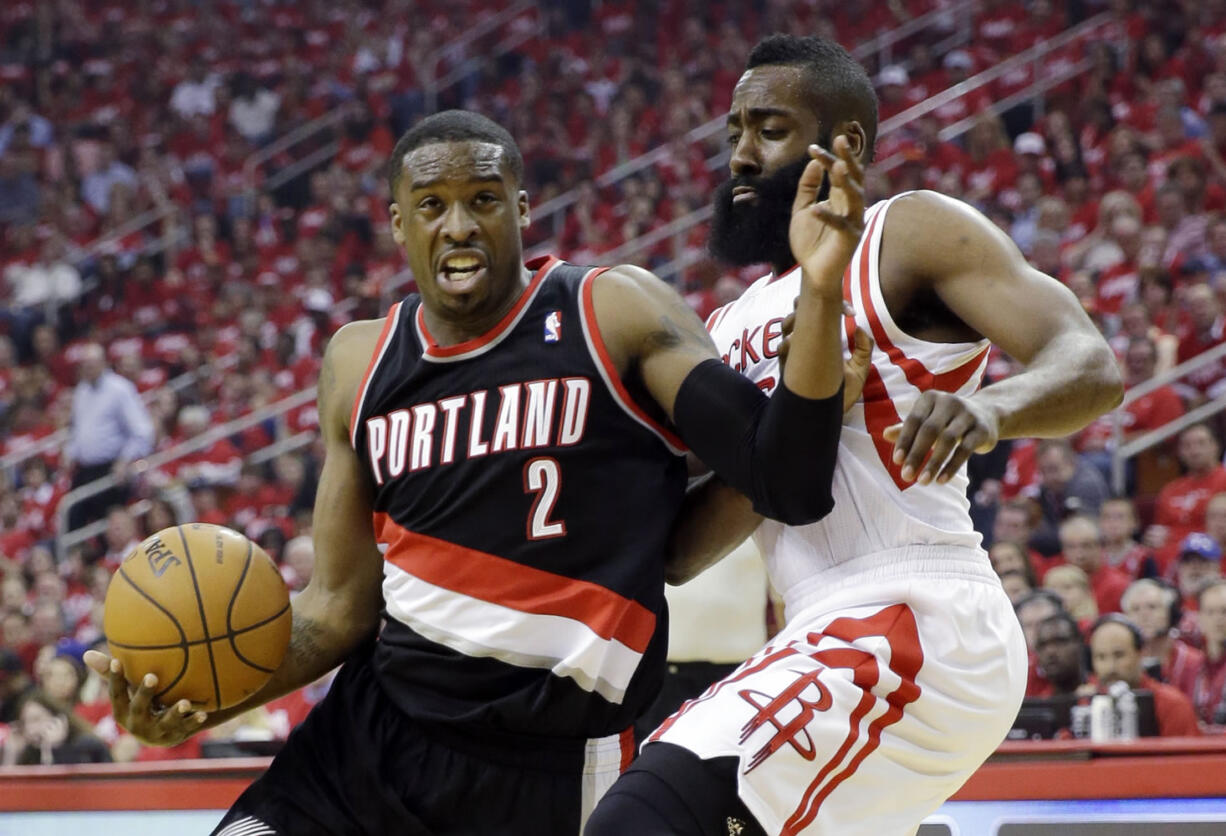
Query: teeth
461,263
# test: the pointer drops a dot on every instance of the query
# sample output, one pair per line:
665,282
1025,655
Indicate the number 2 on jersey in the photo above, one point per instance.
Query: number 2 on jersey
543,477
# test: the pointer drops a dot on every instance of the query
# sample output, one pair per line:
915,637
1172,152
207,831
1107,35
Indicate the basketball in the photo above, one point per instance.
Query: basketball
204,609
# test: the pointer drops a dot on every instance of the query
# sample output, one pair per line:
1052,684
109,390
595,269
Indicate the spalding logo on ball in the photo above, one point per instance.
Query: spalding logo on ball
204,609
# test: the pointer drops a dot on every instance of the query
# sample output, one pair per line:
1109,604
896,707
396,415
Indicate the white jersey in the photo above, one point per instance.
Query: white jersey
881,527
902,664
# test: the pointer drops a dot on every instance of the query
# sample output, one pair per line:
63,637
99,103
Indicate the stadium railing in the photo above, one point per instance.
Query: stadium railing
681,258
67,538
551,212
1122,450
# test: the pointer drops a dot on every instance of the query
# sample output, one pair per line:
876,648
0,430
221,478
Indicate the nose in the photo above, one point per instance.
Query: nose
458,224
745,161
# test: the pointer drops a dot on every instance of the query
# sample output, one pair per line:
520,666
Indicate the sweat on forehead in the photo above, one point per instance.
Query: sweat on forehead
465,160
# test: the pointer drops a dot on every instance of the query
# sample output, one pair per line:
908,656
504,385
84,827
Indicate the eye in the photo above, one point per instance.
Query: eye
733,139
774,133
485,198
429,204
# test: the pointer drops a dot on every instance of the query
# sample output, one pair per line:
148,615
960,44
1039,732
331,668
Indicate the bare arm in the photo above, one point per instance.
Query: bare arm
1071,376
339,608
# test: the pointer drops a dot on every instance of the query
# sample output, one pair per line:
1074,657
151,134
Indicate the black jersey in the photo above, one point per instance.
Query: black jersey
524,497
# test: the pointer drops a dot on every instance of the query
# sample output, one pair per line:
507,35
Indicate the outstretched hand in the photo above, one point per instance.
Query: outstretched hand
824,235
136,711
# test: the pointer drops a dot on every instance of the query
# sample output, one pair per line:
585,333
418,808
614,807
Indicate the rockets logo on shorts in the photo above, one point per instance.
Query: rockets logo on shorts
553,327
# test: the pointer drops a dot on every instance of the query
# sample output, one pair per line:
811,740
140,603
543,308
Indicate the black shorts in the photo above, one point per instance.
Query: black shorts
670,791
359,765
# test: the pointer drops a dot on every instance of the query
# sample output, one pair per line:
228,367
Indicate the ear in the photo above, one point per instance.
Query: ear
524,215
397,219
854,132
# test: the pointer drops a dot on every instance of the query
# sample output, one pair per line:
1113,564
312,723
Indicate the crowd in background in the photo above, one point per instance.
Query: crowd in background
155,236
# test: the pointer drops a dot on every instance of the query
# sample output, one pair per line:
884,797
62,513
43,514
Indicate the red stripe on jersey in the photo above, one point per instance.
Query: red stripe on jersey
917,373
627,744
370,368
716,316
620,392
897,624
436,350
504,582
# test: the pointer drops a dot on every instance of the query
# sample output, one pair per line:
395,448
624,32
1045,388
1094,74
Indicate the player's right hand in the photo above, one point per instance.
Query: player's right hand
136,711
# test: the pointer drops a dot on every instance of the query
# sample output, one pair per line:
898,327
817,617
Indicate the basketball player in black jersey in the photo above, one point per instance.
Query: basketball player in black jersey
503,469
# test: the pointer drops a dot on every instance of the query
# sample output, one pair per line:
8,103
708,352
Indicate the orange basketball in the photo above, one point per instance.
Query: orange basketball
204,609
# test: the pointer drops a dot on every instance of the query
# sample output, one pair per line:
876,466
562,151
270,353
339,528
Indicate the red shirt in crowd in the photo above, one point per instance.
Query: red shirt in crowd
1181,509
1209,691
1182,667
1174,711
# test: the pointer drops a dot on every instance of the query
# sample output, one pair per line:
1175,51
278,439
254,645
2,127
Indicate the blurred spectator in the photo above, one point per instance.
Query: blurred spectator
1072,584
48,733
121,536
15,681
1069,486
1203,329
1017,585
253,111
1115,652
51,278
1181,504
98,185
1198,563
214,465
1209,689
193,96
299,560
110,429
1031,610
1061,651
1117,520
1154,607
1007,556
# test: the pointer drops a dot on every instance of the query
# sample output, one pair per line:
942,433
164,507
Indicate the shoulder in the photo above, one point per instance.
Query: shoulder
355,342
345,361
937,234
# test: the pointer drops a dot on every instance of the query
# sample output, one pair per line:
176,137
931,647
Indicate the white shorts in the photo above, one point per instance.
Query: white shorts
862,718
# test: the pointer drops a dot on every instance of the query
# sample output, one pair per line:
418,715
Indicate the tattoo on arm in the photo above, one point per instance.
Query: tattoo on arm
304,640
669,335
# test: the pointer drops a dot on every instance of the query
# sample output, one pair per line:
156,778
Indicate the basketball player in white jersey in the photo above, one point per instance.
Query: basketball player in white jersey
902,665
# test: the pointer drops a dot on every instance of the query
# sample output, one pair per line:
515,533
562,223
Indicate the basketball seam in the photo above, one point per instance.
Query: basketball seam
194,642
204,622
230,614
183,643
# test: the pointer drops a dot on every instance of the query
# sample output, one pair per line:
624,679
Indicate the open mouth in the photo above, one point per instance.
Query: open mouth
461,272
743,193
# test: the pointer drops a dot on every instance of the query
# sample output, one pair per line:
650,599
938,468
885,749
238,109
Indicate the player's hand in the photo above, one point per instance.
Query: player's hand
949,427
824,235
136,711
855,367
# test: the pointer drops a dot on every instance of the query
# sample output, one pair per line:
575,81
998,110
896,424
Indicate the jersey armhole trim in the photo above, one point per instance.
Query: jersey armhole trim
385,339
608,372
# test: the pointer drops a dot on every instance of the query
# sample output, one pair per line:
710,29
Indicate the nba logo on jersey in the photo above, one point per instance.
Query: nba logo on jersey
553,327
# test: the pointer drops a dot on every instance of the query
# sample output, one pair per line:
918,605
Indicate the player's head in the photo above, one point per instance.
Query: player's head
794,92
458,211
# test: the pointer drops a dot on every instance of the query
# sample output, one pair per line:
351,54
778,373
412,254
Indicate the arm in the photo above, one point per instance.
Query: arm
138,423
778,451
1071,375
339,609
716,518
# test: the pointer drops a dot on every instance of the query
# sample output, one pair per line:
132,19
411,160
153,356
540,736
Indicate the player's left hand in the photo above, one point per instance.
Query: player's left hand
948,426
823,236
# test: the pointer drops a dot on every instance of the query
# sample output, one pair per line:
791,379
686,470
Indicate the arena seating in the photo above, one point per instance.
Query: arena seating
148,203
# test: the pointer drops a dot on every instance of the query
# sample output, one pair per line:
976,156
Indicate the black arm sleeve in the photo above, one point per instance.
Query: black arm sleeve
778,451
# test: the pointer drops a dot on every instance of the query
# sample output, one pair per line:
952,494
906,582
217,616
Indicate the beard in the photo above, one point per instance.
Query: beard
757,231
